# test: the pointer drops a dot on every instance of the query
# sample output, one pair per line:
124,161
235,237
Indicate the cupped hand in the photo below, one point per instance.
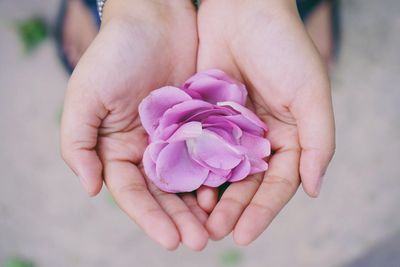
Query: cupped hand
142,45
263,44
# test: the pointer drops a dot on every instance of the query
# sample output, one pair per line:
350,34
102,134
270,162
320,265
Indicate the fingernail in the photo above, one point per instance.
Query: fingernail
319,185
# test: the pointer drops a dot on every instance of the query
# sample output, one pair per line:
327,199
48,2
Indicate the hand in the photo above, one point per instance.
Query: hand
142,45
264,44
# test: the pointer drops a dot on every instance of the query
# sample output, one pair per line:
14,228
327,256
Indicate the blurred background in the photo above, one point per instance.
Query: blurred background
46,219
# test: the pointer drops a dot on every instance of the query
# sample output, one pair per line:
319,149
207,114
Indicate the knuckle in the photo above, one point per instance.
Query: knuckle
131,188
154,190
233,202
180,213
265,208
150,213
254,180
189,201
293,148
157,193
280,180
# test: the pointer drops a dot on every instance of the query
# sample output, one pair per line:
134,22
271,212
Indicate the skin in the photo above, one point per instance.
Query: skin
259,42
101,135
79,30
264,45
319,27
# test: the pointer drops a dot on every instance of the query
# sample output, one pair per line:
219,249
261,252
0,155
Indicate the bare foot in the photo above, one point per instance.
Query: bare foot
319,27
79,30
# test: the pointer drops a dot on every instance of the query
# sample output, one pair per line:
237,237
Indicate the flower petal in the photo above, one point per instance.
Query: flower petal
154,149
214,151
256,146
241,171
191,129
214,180
214,90
258,165
247,113
176,171
245,124
162,134
149,165
154,105
213,111
181,112
224,128
220,172
214,73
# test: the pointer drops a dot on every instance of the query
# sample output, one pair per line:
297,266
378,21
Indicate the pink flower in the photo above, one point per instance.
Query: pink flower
202,134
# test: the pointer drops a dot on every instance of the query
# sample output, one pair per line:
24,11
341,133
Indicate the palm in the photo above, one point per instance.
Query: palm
271,53
132,57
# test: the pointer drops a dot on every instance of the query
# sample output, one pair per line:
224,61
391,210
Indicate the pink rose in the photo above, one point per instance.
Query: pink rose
202,134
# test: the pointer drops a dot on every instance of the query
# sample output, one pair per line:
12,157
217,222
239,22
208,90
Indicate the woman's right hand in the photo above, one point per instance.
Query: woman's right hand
142,45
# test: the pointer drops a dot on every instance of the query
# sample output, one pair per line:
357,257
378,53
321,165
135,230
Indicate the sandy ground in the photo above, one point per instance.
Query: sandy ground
46,217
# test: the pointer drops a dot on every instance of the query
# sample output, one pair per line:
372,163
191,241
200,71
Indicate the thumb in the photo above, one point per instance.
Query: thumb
313,112
82,116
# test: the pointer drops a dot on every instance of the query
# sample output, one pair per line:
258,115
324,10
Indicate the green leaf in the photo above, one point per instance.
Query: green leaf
32,32
18,262
231,257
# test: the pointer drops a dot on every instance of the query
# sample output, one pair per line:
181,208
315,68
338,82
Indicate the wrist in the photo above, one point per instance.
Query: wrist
143,9
275,6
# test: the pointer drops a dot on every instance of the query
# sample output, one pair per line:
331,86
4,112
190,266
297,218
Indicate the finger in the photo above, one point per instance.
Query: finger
235,199
129,189
81,118
193,205
278,186
313,112
207,198
192,232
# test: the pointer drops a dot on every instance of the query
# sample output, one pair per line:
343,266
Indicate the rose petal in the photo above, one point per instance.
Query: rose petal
165,133
154,149
214,90
214,151
224,128
247,113
214,111
182,111
258,165
220,172
214,180
191,129
215,73
149,165
245,124
154,105
241,171
176,171
256,146
224,134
